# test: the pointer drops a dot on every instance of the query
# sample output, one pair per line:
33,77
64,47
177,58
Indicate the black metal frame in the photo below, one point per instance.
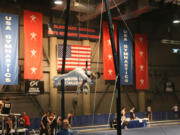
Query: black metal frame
64,58
118,96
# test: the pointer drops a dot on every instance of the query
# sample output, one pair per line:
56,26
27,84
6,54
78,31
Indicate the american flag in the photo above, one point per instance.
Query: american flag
76,57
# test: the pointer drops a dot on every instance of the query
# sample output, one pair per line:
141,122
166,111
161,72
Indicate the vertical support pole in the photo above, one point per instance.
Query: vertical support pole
141,100
118,106
64,58
86,65
53,72
118,98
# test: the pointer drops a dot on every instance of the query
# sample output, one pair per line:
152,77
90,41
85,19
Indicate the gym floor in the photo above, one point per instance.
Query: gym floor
160,130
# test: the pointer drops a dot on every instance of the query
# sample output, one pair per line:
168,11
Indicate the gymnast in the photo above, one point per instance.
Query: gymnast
86,76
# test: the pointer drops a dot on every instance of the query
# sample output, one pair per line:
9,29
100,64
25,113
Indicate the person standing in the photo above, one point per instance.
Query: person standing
26,122
124,122
53,123
69,118
44,124
8,126
65,128
149,113
175,109
59,122
1,105
6,108
132,113
21,124
113,122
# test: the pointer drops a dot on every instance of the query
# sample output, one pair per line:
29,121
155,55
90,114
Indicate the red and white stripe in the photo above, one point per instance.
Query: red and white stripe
79,56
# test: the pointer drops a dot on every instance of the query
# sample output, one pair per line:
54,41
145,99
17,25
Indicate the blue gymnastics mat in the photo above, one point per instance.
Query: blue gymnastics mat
161,130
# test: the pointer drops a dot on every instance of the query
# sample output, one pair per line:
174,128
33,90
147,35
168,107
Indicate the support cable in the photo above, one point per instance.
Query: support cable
97,67
119,11
112,100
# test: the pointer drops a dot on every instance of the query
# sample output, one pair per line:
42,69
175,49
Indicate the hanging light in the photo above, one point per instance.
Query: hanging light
176,18
175,50
58,2
176,21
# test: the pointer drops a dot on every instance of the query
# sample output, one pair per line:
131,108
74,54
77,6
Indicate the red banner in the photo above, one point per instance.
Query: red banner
141,62
108,62
33,45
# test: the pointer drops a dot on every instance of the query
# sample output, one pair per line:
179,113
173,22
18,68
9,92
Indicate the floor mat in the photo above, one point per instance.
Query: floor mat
162,130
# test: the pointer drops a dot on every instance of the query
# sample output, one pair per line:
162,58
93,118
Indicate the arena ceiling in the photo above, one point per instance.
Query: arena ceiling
86,10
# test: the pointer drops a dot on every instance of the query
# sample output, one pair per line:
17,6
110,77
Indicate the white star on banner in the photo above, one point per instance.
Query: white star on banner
140,39
33,53
142,82
109,57
141,68
33,35
33,18
141,53
33,69
110,72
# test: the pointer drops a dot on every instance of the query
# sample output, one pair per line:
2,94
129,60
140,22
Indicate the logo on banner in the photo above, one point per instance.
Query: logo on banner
70,81
126,68
34,83
9,49
34,87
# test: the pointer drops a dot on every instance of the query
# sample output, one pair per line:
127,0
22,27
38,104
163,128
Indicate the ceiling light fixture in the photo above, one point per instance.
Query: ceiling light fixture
170,42
176,21
175,50
58,2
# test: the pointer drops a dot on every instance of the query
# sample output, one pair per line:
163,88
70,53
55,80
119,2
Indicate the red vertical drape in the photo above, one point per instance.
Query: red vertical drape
141,62
33,45
108,63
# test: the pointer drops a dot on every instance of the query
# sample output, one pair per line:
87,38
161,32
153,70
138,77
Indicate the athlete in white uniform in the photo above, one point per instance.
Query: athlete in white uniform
79,73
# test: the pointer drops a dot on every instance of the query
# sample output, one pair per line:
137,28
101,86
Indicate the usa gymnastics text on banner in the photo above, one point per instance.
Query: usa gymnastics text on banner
9,32
126,66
